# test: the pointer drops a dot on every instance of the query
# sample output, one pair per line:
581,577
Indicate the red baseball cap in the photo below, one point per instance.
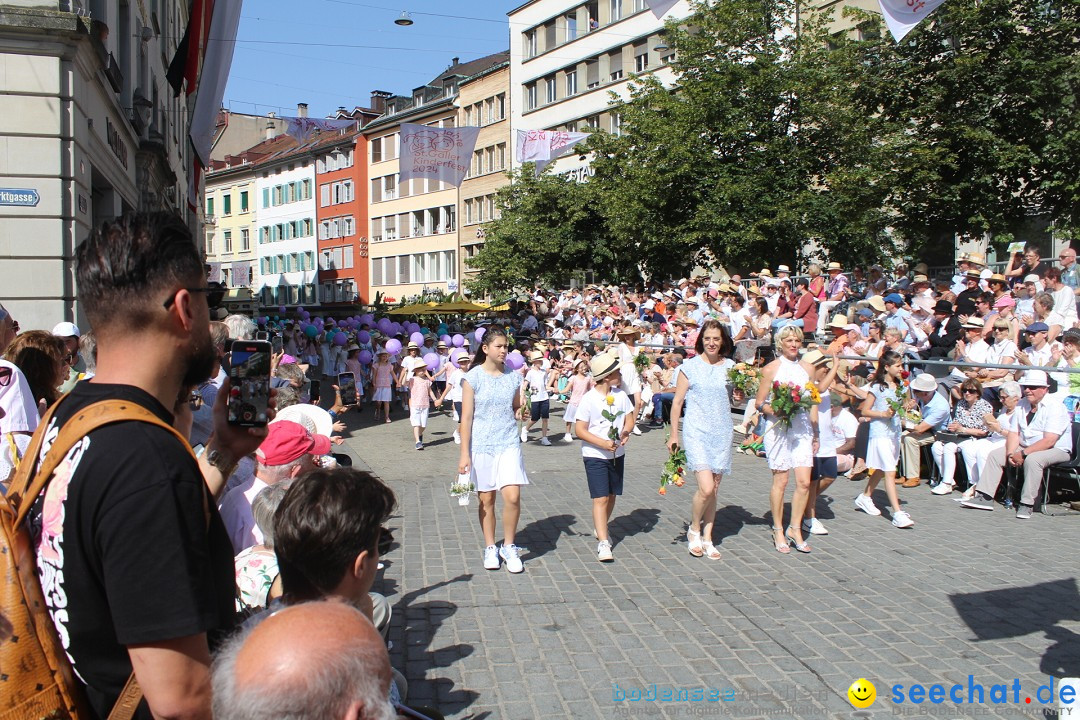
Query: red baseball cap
287,441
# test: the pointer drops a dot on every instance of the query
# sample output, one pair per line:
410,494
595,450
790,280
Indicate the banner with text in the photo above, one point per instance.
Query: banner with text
437,153
302,128
543,146
660,7
901,16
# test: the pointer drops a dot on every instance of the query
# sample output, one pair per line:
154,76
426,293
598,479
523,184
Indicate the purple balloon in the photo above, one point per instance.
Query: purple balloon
340,339
300,309
281,309
445,339
262,321
385,326
514,361
417,338
364,357
480,334
432,362
367,320
393,346
363,336
457,353
457,341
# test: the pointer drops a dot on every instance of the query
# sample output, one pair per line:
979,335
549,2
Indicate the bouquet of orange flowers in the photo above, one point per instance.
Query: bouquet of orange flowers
789,399
674,470
744,377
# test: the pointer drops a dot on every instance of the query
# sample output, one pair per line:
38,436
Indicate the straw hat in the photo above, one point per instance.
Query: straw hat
629,331
834,266
765,272
535,355
839,322
603,365
877,302
815,357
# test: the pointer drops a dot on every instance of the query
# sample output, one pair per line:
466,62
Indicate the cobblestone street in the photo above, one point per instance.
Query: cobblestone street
763,634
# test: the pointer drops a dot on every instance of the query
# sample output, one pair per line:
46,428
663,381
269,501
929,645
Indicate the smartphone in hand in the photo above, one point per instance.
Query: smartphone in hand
249,378
347,385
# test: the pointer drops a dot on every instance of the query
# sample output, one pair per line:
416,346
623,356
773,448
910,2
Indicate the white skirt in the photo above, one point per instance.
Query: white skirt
382,394
494,472
883,453
570,412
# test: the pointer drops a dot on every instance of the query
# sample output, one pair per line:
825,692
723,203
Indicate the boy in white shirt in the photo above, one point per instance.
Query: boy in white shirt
453,389
537,381
604,420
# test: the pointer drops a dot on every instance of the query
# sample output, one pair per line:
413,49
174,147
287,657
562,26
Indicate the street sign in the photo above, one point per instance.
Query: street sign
21,197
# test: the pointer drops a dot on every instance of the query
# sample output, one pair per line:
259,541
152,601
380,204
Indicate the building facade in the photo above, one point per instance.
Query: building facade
566,56
484,102
287,248
89,130
229,223
341,216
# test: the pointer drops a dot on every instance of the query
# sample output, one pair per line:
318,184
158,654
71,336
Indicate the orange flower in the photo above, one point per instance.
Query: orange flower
663,491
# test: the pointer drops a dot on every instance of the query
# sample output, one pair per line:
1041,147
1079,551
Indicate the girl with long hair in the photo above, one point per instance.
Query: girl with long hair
883,450
490,447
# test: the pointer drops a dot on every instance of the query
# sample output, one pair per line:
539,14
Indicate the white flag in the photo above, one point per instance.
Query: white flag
543,146
659,7
901,16
437,153
219,54
302,128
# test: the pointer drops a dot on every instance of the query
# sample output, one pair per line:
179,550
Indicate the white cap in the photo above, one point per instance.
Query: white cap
1033,278
1034,378
648,305
66,329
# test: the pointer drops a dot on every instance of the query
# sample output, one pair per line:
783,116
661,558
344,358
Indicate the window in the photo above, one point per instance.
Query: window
530,44
209,244
667,59
245,240
389,187
244,201
549,36
571,27
403,269
228,241
616,10
615,65
592,73
640,5
641,62
306,190
500,107
616,124
376,150
549,85
324,195
571,83
500,156
530,96
226,204
266,197
209,207
347,257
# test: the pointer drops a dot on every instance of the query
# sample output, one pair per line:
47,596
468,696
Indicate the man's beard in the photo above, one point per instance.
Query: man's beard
200,362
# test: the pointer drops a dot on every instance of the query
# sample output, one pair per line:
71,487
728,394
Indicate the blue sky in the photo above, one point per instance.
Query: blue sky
290,52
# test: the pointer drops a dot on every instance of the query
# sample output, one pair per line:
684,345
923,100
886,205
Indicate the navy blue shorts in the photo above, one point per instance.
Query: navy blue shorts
824,467
605,476
457,409
541,409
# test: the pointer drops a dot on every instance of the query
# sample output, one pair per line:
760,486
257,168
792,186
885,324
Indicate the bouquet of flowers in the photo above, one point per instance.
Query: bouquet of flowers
901,396
788,399
642,362
744,377
462,489
673,472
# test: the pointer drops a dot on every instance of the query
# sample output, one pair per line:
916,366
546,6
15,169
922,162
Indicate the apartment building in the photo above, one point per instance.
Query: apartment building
566,56
341,216
285,192
413,239
89,130
484,101
229,223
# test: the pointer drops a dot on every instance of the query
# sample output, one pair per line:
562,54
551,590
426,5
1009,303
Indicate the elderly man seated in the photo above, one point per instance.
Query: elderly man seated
1040,436
935,418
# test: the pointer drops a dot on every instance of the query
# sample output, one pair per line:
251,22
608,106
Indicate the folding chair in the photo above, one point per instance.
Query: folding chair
1068,470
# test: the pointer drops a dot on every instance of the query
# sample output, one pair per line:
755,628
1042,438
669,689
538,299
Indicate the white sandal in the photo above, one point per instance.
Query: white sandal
693,542
710,551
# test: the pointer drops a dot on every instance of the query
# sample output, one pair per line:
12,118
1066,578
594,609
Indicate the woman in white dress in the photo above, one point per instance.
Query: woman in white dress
788,448
631,378
490,447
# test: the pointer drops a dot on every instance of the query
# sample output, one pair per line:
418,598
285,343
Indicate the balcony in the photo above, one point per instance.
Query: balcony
210,220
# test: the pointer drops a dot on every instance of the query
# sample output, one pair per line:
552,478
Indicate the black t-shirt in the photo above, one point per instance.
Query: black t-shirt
125,554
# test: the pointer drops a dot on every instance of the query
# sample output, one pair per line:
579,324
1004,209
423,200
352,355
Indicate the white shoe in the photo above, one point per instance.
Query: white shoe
568,438
603,551
545,441
457,438
636,430
902,520
511,554
943,489
864,503
491,558
524,435
814,527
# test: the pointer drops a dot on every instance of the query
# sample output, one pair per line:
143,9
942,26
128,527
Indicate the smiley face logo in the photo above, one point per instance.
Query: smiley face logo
862,693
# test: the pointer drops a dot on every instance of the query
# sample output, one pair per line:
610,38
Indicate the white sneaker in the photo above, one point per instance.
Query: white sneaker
864,503
943,489
636,430
491,558
511,554
902,520
568,438
524,435
545,441
814,527
603,551
457,438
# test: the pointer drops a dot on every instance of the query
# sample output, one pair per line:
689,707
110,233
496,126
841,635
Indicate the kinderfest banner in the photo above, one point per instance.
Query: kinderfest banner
901,16
436,153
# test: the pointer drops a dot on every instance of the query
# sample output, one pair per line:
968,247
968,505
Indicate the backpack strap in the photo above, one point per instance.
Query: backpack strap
25,491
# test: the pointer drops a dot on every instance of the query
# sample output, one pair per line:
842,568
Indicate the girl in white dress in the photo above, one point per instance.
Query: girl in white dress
631,378
788,448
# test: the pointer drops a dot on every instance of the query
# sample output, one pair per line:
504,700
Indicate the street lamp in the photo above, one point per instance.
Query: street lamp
405,20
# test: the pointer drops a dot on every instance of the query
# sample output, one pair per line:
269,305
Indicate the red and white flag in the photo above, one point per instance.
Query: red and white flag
901,16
